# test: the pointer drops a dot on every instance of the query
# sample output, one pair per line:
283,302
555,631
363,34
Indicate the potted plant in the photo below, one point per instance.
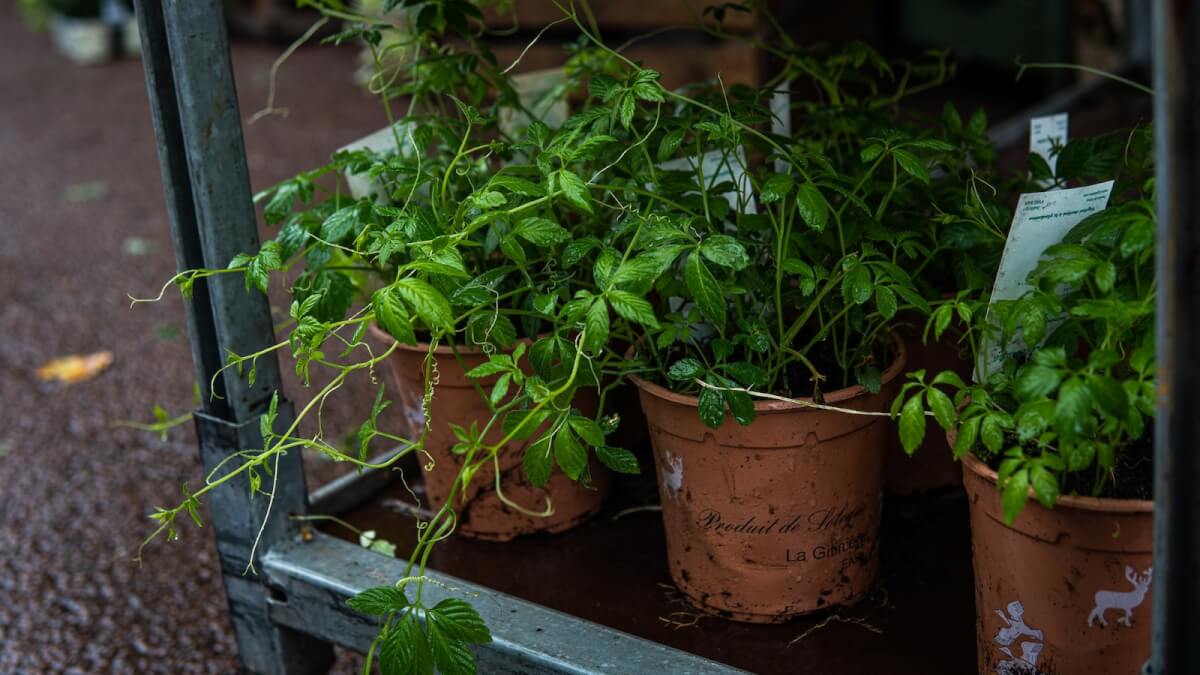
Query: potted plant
1054,434
775,283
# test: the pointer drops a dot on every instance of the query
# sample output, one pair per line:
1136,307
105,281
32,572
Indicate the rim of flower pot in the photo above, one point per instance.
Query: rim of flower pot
1082,503
892,372
441,350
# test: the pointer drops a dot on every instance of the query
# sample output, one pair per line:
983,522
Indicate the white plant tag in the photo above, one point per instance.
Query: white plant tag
781,117
1041,220
1044,133
384,143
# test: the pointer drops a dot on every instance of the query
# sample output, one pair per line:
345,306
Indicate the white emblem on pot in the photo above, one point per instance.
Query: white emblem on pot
1125,600
672,477
1013,630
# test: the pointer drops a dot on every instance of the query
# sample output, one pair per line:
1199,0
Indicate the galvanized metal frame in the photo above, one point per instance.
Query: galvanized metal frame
288,614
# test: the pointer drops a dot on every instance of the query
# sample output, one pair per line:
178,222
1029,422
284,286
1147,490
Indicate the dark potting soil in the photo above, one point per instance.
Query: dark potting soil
1132,477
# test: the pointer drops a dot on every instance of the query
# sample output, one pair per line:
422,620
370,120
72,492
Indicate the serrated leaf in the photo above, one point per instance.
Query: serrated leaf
1016,493
726,251
427,302
575,190
812,206
452,657
1071,410
1109,394
588,430
393,317
856,285
1036,380
458,620
538,461
571,456
776,188
964,440
885,302
618,459
711,407
991,433
339,224
870,152
542,231
670,143
685,370
912,423
405,650
942,407
633,308
911,165
596,326
705,290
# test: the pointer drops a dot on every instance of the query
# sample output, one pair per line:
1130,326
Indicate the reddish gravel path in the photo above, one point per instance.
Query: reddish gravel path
78,178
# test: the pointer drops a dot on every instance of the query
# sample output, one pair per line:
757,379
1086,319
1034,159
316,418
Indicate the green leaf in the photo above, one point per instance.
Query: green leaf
911,165
885,302
1108,392
746,373
427,303
951,378
1045,485
588,430
596,326
870,152
705,290
392,316
571,456
339,224
1016,493
1035,381
685,370
670,143
542,232
1080,455
856,285
497,365
405,650
741,405
458,620
991,432
1074,404
526,421
912,423
576,250
618,459
575,190
712,407
776,188
633,308
451,656
538,461
726,251
812,206
942,407
964,440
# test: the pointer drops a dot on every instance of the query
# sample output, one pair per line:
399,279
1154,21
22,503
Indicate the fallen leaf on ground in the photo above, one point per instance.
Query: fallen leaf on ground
75,368
84,192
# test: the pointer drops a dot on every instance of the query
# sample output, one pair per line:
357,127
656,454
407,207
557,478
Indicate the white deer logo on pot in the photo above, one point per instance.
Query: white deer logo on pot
1126,600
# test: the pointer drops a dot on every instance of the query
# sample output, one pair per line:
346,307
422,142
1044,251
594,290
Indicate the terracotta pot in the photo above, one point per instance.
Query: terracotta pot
481,513
1065,590
778,518
932,466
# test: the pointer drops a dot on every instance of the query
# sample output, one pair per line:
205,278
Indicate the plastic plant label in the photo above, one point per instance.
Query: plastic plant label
781,117
1044,134
383,142
1041,220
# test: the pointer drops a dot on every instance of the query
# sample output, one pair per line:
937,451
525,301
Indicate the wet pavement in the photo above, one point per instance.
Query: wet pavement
82,223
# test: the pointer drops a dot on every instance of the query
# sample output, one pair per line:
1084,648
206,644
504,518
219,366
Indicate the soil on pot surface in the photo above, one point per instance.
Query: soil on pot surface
1134,474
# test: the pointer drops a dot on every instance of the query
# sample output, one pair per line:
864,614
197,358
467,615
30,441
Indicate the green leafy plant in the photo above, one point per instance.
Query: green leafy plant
1066,410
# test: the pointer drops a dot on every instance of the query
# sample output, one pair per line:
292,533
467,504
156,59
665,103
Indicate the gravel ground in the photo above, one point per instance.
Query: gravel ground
82,222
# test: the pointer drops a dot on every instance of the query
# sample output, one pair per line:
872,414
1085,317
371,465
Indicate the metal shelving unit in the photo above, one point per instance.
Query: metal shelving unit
288,615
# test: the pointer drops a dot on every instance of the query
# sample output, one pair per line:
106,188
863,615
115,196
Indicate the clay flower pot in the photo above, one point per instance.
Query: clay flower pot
932,466
481,513
778,518
1065,590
